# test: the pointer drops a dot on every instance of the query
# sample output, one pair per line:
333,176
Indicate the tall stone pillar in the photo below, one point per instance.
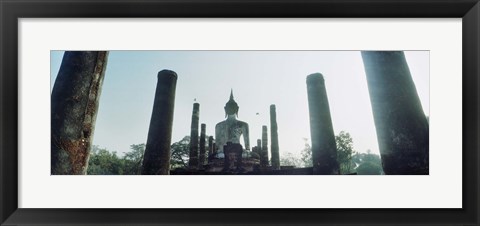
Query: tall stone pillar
324,149
401,125
156,160
210,148
75,98
202,146
193,160
274,138
264,156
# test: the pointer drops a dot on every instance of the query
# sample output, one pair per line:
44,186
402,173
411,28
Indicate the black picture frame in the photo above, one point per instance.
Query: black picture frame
12,10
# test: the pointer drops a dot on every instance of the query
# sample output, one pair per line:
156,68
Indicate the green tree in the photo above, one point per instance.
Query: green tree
180,152
103,162
369,168
345,150
133,160
367,163
306,154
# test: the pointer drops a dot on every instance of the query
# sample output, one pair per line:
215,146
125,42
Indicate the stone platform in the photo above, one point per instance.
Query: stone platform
291,171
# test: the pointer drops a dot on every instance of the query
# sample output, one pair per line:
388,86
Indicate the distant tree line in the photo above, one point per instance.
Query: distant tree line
104,162
349,160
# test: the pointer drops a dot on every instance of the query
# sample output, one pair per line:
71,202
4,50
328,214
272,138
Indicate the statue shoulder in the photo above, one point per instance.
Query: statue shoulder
220,124
242,123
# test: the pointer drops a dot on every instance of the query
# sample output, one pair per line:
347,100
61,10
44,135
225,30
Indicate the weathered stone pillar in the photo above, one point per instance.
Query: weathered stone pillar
193,160
258,150
156,160
255,150
264,156
75,98
274,138
324,149
202,146
401,125
210,148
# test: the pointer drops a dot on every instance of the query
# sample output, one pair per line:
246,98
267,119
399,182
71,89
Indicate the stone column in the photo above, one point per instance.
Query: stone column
258,150
156,160
324,149
75,98
274,138
193,160
210,148
401,125
202,146
264,156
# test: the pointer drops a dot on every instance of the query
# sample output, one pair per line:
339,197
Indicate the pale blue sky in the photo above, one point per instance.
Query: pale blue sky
258,79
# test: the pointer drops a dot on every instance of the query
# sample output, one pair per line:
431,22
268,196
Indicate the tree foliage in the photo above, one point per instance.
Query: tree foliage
104,162
368,163
369,168
345,151
133,160
180,152
290,159
306,154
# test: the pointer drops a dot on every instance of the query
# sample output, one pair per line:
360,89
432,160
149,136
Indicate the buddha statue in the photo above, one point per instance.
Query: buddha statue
231,129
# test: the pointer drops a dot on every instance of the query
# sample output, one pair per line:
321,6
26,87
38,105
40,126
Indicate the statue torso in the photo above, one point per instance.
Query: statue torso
230,130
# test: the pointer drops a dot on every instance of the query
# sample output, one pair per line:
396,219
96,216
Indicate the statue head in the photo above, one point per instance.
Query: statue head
231,107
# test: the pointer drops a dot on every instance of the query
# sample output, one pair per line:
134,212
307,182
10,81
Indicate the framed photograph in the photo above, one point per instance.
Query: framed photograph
283,111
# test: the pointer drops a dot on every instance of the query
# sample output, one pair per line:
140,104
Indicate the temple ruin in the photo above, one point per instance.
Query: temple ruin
230,155
401,125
